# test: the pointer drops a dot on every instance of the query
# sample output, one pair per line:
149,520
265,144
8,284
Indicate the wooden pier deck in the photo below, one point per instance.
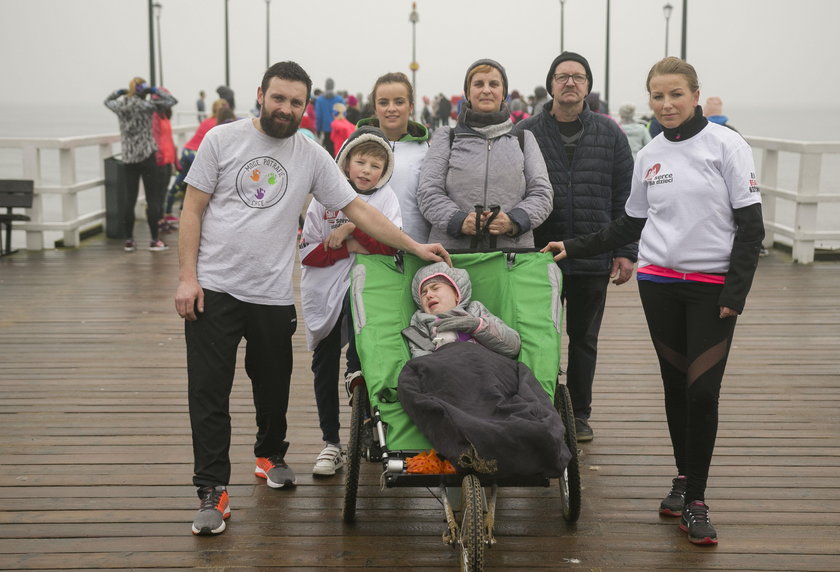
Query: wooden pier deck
95,454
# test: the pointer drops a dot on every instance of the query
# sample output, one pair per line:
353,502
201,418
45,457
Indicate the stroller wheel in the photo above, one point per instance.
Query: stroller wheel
354,452
570,479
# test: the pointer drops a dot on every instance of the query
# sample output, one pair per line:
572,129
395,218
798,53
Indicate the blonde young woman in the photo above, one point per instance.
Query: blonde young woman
695,208
392,99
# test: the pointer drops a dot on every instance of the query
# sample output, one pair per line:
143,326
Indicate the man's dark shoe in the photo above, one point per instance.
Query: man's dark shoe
672,505
695,521
214,509
583,431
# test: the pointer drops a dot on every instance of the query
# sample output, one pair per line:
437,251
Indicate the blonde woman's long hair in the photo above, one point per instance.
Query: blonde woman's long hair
132,85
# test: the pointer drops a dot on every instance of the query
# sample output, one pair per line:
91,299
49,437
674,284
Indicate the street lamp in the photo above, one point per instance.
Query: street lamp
158,7
152,73
562,5
267,32
414,18
666,10
227,47
607,64
684,27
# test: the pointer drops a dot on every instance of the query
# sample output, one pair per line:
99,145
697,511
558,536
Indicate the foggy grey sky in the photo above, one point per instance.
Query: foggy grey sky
766,53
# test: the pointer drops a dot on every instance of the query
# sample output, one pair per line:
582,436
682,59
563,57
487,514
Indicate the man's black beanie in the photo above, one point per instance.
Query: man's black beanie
565,56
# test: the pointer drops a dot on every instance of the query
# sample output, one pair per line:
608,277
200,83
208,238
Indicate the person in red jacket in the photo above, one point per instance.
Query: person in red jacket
166,160
341,126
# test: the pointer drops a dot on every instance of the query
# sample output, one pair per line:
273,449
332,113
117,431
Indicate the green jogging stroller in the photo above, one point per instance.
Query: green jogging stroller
522,288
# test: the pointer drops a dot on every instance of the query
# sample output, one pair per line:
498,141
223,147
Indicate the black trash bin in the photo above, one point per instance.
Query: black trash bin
115,198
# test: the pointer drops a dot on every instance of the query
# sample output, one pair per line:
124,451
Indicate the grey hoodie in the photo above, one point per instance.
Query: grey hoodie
491,333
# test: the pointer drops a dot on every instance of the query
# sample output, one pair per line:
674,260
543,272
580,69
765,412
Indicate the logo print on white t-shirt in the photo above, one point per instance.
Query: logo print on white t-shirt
652,172
262,182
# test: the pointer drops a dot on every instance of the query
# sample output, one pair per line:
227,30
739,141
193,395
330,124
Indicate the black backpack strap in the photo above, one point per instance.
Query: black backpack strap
520,134
451,136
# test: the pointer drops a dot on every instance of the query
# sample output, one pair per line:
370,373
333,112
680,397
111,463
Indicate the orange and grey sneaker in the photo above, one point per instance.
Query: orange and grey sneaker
214,509
275,471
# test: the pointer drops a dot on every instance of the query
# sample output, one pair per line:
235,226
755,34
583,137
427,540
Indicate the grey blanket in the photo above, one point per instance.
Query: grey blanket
484,412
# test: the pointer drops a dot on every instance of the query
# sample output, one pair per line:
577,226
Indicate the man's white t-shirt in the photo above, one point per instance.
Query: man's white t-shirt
687,190
258,185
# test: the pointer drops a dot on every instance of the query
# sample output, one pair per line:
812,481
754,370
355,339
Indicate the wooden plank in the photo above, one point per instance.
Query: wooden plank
95,460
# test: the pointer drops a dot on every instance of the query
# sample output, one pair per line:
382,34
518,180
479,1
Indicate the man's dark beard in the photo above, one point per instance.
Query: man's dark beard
272,129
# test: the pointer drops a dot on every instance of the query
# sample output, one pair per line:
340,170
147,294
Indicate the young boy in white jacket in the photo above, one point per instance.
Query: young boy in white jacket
328,248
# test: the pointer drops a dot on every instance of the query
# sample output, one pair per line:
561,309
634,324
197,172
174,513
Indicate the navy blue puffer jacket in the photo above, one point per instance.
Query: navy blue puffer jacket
589,193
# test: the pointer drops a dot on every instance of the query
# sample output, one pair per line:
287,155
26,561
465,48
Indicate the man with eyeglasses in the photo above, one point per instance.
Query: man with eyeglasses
590,167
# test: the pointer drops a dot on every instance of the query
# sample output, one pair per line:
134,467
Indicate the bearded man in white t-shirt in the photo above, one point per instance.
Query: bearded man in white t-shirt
237,244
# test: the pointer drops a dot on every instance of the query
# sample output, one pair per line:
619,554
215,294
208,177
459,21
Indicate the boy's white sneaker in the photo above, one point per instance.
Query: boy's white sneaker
329,460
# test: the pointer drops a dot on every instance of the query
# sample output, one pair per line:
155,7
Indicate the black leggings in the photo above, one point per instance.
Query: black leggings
148,170
692,343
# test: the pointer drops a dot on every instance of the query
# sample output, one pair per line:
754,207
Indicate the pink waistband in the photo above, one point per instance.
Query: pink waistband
692,276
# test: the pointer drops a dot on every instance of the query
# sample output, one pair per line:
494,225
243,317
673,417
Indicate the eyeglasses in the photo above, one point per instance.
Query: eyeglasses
563,78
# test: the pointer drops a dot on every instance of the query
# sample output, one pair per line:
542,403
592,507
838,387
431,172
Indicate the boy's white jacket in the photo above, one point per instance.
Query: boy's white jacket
322,289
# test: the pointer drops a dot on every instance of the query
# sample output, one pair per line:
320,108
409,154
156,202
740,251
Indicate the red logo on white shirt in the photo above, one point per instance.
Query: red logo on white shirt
652,172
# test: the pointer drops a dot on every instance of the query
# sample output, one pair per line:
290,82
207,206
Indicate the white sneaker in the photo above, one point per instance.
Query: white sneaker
329,461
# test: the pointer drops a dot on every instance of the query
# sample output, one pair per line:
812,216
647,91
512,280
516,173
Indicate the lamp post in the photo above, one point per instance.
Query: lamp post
152,72
227,47
684,27
666,10
562,5
158,7
414,66
607,63
267,32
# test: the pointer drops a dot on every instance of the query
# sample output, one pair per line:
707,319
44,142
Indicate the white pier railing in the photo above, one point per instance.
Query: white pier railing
802,211
69,177
800,183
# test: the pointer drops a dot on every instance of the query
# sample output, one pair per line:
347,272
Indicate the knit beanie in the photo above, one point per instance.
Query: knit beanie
360,135
491,63
564,57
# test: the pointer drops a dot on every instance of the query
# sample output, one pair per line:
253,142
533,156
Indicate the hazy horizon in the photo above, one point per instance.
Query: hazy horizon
753,53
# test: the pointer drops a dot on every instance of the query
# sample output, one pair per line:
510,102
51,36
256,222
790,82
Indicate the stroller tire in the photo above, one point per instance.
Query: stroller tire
472,525
570,480
354,452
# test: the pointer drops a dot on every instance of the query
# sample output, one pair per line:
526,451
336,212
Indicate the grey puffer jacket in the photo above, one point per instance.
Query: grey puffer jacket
480,171
492,332
590,192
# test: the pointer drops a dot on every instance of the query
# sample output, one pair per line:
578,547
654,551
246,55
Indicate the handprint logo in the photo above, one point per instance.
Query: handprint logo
262,182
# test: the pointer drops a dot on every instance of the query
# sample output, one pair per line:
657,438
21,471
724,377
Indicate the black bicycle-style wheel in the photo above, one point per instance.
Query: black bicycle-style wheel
472,525
354,452
570,480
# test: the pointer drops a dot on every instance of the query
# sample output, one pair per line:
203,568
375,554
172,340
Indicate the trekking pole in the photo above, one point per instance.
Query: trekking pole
479,210
494,212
